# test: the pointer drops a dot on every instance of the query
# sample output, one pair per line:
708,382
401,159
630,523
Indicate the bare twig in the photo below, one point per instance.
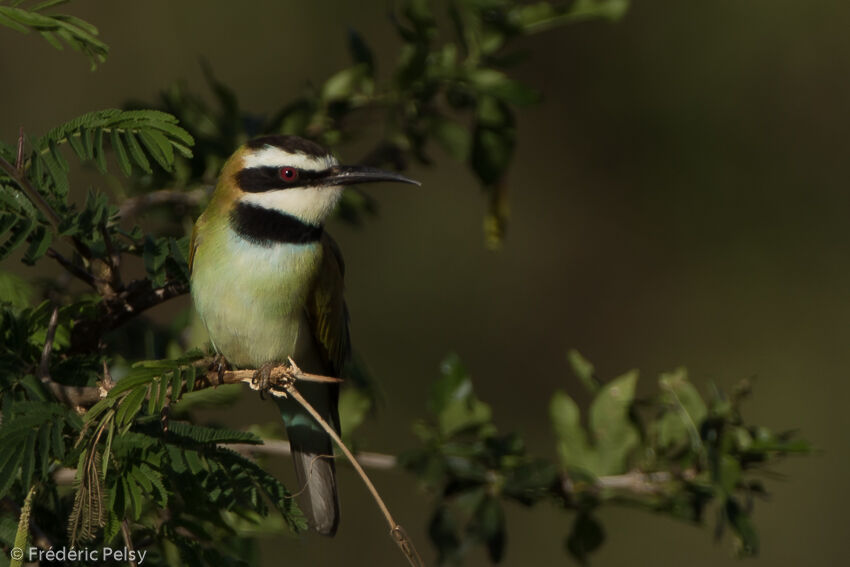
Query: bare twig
72,268
637,483
281,448
128,541
135,205
20,179
287,383
136,297
74,396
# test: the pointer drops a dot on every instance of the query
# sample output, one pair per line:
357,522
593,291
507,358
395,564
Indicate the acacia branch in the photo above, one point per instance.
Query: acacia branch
136,297
135,205
20,179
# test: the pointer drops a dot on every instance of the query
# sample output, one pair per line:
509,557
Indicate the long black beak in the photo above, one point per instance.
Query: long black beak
351,174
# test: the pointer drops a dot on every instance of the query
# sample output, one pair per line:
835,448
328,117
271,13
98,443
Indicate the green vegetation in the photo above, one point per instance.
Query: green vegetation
147,476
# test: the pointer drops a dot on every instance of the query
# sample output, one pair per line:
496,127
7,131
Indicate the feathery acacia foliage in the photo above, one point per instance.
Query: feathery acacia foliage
56,29
175,487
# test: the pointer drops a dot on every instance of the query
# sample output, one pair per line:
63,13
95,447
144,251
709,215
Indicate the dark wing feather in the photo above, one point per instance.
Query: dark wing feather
326,308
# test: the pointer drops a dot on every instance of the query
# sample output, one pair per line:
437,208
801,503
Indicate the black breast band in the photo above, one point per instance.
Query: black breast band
267,227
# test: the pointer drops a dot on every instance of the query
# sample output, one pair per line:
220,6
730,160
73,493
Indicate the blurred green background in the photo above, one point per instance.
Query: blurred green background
678,199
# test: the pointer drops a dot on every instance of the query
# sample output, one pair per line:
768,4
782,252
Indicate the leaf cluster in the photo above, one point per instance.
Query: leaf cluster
449,87
675,453
57,29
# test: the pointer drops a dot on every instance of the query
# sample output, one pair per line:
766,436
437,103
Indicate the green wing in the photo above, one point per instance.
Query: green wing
326,310
194,242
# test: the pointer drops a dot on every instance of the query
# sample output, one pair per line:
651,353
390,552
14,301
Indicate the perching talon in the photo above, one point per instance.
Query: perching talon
262,379
219,365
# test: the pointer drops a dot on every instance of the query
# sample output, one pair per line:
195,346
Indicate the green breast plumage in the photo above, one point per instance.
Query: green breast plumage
251,295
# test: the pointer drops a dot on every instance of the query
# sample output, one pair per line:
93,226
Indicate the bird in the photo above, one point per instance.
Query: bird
267,282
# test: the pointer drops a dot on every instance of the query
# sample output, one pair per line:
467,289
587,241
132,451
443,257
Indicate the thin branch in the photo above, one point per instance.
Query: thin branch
31,192
136,297
396,531
136,205
128,542
72,268
281,448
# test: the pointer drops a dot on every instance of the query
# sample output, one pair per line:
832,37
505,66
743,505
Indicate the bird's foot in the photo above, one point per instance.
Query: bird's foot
262,379
219,365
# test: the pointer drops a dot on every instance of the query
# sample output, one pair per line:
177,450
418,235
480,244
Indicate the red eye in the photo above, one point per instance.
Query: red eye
288,173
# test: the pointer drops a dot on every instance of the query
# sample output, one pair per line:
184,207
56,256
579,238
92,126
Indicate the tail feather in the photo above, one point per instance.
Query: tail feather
312,453
317,494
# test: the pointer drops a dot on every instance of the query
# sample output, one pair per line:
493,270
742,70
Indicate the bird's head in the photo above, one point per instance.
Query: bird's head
293,177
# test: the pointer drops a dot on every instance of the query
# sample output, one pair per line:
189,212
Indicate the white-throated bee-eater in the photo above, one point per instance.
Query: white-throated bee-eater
267,282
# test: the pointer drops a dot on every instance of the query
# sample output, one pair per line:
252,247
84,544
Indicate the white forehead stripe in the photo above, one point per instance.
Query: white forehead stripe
270,156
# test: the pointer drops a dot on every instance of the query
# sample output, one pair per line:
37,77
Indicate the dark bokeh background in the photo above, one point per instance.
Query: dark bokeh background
679,198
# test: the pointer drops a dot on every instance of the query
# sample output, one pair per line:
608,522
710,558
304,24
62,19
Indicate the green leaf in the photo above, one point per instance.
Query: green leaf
15,290
29,456
10,462
155,254
728,474
99,153
453,137
586,536
154,142
493,140
137,153
572,445
346,83
130,407
121,154
354,406
498,85
360,52
687,410
209,435
584,371
76,143
614,433
454,402
40,240
541,16
488,524
746,536
443,531
158,131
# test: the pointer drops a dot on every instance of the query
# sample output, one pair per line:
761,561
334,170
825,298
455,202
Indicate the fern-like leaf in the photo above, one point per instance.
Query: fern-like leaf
19,220
161,139
208,435
57,29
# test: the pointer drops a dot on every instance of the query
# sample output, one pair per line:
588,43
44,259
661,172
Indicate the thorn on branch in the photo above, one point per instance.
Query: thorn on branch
19,158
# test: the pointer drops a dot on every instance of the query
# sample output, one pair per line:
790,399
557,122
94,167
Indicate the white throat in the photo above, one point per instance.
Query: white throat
311,205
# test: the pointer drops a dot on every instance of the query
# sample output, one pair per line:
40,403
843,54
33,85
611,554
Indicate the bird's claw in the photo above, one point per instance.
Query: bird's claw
262,379
219,365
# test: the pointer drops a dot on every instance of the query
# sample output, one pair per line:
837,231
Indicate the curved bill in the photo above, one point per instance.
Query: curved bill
351,174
